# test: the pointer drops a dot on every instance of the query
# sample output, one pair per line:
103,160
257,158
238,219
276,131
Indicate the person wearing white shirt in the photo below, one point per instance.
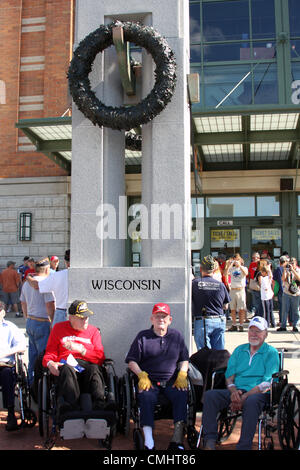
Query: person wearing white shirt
12,341
266,294
238,272
56,282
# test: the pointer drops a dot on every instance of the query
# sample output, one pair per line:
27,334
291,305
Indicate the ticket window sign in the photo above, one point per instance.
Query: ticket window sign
225,240
267,239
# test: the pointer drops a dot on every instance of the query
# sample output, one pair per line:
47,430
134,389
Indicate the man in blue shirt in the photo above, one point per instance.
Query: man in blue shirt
248,377
160,359
209,299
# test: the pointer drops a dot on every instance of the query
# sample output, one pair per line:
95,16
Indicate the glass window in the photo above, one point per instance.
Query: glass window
227,20
294,13
267,239
195,23
263,19
237,206
197,225
265,84
268,206
298,239
226,241
298,198
228,85
221,52
195,53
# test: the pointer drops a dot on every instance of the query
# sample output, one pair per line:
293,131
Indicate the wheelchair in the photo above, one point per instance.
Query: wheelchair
129,410
22,392
281,415
84,422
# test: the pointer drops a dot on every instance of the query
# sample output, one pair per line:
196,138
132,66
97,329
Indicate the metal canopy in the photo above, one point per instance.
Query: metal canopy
53,137
262,140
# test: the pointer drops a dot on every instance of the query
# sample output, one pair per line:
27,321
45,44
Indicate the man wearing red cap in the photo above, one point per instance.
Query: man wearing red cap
160,359
54,262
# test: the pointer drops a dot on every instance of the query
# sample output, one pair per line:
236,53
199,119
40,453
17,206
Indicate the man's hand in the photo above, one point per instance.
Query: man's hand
54,367
236,400
181,381
144,381
75,347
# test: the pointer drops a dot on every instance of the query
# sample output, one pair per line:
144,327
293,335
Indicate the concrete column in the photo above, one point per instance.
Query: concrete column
122,298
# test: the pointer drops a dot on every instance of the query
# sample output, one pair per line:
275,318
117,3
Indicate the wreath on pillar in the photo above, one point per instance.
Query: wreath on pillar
122,117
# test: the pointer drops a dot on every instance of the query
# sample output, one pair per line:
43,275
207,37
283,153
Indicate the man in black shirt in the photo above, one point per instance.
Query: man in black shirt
209,299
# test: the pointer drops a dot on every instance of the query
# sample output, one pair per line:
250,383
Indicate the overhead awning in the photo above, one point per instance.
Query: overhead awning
53,137
266,140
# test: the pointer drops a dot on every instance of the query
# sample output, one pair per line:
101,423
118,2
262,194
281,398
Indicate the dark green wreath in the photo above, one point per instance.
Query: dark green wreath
122,117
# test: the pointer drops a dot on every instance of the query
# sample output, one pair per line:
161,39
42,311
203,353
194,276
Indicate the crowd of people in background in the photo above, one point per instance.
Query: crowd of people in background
259,289
12,279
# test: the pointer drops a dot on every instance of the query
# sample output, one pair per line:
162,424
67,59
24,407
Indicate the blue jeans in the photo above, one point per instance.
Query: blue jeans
256,302
148,399
38,334
217,400
60,315
290,305
279,297
215,332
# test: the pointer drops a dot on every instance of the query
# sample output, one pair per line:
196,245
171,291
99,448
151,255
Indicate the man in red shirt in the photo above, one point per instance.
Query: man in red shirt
73,355
30,268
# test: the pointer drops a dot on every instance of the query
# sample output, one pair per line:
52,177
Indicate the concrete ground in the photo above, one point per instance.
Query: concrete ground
29,439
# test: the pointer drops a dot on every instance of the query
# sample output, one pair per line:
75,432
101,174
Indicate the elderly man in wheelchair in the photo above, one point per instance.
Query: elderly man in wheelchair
154,358
248,376
73,360
12,341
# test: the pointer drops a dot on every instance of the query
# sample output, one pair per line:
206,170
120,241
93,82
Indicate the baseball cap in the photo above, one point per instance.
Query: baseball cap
54,258
79,308
259,322
208,263
161,308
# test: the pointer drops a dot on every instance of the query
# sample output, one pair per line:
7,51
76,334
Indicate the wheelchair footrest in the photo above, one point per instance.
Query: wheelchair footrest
91,428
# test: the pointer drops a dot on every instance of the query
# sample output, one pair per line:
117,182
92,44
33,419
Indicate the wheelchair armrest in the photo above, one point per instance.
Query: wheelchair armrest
108,362
281,373
220,371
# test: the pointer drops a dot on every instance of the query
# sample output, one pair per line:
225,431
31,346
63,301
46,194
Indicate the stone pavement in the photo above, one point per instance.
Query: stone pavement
29,439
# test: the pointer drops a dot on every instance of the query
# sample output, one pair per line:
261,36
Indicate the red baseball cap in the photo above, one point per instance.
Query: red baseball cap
54,258
161,308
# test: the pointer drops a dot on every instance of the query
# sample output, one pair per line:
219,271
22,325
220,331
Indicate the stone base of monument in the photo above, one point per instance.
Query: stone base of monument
136,291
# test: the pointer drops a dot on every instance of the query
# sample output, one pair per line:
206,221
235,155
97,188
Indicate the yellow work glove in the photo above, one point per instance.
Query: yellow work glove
181,380
144,381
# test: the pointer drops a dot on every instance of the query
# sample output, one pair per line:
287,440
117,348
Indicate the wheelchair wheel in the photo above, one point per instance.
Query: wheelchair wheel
125,403
44,402
192,436
138,439
226,424
288,419
28,416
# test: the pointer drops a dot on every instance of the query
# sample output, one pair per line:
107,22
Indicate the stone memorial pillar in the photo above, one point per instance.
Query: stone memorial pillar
122,297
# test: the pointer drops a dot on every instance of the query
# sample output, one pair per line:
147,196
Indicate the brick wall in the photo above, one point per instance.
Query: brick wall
35,50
